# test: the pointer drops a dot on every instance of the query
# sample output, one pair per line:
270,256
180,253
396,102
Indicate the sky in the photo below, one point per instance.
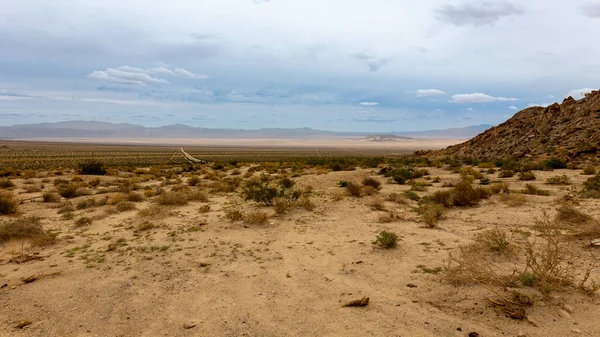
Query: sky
341,65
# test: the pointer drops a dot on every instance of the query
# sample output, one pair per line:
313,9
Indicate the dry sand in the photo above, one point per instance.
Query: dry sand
199,274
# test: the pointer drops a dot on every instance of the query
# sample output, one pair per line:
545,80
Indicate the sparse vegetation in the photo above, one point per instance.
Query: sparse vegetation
527,175
589,170
354,190
92,167
83,221
374,183
559,180
534,190
50,197
25,228
386,240
258,218
8,203
569,214
5,183
431,213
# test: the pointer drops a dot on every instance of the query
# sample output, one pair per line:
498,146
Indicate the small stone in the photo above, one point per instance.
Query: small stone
22,324
531,321
411,285
568,308
576,330
473,334
595,243
521,334
563,313
189,325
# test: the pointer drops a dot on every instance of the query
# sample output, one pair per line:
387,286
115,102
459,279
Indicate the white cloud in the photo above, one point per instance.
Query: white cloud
591,9
127,76
542,105
478,97
512,107
368,103
470,109
479,14
579,93
187,74
428,92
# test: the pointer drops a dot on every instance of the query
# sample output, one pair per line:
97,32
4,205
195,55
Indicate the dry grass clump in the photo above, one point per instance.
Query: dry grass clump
431,213
386,240
499,188
527,175
506,174
495,241
534,190
51,197
87,203
374,183
354,190
559,180
8,203
83,221
257,218
234,214
135,197
5,183
513,200
397,198
463,194
125,206
282,205
145,226
204,209
32,189
193,181
589,170
306,203
377,203
389,216
155,211
569,214
28,228
181,197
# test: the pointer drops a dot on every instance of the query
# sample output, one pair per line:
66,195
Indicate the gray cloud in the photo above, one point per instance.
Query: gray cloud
373,62
591,9
484,13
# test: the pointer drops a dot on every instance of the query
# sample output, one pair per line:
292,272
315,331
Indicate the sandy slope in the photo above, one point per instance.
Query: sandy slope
286,278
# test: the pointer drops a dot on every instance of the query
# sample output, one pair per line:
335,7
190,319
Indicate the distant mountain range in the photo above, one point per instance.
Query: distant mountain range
93,129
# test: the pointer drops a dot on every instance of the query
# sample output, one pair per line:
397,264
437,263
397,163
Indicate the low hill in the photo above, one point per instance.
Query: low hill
570,130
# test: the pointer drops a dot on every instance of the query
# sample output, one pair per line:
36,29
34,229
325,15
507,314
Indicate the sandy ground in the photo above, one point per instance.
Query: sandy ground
409,145
199,274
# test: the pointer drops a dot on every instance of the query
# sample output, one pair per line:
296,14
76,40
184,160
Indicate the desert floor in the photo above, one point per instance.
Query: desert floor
193,273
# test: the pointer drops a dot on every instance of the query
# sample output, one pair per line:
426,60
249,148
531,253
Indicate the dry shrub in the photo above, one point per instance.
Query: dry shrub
135,197
154,211
67,207
463,194
397,198
193,181
589,170
281,205
534,190
559,180
26,228
204,209
83,221
87,203
172,199
377,203
431,213
306,203
51,197
32,189
571,215
506,174
369,190
125,206
495,241
527,175
513,200
8,203
372,182
472,265
234,215
257,218
389,216
197,195
354,190
5,183
145,225
499,188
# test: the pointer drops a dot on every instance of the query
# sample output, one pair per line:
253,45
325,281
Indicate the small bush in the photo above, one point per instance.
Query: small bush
559,180
431,213
484,181
135,197
67,207
193,181
50,197
204,209
377,203
506,174
29,228
513,200
69,191
527,175
569,214
372,182
412,195
172,199
281,205
306,203
125,206
533,190
234,215
5,183
418,186
589,170
494,240
286,183
354,190
8,203
397,198
592,183
386,240
259,218
84,204
92,167
259,191
343,183
369,190
555,163
83,221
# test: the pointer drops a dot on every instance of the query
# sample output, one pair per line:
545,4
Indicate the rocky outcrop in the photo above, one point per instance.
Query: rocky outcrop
570,131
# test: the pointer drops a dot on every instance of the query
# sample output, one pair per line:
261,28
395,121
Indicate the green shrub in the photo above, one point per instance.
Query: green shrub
555,163
8,203
343,183
259,191
418,186
386,240
527,175
92,167
462,194
484,181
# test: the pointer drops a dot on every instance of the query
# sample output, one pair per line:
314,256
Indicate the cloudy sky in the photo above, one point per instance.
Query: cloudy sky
356,65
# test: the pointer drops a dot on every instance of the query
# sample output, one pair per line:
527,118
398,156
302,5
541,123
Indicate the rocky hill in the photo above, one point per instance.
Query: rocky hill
570,131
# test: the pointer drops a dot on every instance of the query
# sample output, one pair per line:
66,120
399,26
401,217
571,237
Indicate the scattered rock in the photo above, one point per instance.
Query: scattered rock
531,321
473,334
595,243
521,334
23,324
576,330
568,308
363,302
411,285
30,279
563,313
189,325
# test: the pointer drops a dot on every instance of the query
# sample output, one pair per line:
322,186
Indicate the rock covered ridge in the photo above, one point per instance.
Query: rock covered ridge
570,131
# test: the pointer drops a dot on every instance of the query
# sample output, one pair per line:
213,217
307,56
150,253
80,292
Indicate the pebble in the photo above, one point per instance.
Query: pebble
576,330
531,321
189,325
568,308
521,334
563,313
